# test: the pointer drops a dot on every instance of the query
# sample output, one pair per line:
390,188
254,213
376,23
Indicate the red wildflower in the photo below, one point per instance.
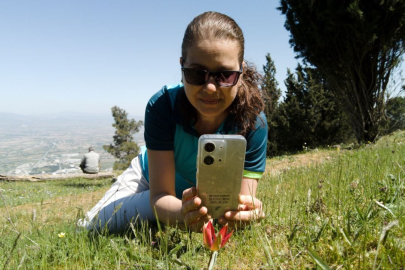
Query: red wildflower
215,242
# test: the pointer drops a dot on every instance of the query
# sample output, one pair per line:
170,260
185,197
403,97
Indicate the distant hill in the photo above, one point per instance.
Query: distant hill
54,143
15,121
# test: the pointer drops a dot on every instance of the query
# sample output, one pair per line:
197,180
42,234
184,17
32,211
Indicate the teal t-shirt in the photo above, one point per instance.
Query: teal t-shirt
165,130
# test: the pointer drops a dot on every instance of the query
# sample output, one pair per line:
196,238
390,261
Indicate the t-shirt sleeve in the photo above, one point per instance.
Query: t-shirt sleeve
255,159
159,125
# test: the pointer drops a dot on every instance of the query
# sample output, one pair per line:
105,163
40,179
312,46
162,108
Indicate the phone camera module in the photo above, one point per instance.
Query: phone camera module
208,160
209,147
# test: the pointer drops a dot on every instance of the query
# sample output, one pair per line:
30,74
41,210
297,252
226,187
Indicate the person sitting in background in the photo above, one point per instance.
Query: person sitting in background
90,162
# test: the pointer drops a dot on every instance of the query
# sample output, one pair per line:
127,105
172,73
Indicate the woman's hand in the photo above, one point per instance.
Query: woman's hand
194,214
250,210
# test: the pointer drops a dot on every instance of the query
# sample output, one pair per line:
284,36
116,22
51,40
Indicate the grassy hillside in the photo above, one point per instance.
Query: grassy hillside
337,209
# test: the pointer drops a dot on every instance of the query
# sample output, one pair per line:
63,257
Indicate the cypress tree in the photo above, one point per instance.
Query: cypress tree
309,116
270,87
356,45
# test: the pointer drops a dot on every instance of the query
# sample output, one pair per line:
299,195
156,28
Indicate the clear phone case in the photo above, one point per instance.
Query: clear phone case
220,163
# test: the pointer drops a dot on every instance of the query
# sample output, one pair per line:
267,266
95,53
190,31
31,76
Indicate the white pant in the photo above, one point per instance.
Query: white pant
127,200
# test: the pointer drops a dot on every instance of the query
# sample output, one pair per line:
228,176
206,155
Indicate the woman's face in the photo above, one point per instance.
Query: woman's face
211,100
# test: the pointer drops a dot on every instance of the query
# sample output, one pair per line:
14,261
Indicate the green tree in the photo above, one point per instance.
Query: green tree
395,114
309,115
356,45
273,93
124,148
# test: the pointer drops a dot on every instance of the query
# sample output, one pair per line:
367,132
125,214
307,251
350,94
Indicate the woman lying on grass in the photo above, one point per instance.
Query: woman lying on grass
219,94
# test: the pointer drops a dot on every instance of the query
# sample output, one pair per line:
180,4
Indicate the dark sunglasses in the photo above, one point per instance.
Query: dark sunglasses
224,78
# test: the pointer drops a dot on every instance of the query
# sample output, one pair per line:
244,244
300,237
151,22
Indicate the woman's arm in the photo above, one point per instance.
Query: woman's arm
248,186
169,209
162,187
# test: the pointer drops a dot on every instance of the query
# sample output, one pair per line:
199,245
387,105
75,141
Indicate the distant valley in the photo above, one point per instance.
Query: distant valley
54,144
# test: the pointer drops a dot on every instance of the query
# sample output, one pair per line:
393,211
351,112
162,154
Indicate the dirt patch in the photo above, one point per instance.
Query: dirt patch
281,164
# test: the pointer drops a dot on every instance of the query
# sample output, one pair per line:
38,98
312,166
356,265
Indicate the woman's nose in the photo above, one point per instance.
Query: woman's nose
211,86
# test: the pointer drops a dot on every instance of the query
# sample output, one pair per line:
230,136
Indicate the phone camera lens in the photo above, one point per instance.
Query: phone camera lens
209,147
208,160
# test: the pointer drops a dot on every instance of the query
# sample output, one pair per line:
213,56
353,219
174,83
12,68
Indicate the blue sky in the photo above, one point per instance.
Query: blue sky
90,55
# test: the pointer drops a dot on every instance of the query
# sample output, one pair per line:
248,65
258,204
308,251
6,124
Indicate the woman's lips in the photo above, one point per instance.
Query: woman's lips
210,101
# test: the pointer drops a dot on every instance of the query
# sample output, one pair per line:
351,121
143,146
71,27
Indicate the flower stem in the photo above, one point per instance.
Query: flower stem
213,258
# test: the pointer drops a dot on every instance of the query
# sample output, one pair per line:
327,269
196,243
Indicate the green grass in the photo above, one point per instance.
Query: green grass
338,210
346,213
19,193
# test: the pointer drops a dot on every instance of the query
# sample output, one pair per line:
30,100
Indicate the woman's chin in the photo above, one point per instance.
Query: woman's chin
210,112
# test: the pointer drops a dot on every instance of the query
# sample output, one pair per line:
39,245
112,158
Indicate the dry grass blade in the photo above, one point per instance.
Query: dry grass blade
383,237
384,207
8,217
267,251
11,251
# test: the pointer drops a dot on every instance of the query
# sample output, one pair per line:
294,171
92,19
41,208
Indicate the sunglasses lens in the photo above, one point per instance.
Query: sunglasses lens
200,77
195,76
227,78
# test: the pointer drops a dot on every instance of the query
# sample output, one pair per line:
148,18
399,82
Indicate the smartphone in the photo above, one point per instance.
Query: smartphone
220,163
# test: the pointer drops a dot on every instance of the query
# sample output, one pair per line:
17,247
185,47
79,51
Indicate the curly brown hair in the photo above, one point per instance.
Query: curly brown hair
249,101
